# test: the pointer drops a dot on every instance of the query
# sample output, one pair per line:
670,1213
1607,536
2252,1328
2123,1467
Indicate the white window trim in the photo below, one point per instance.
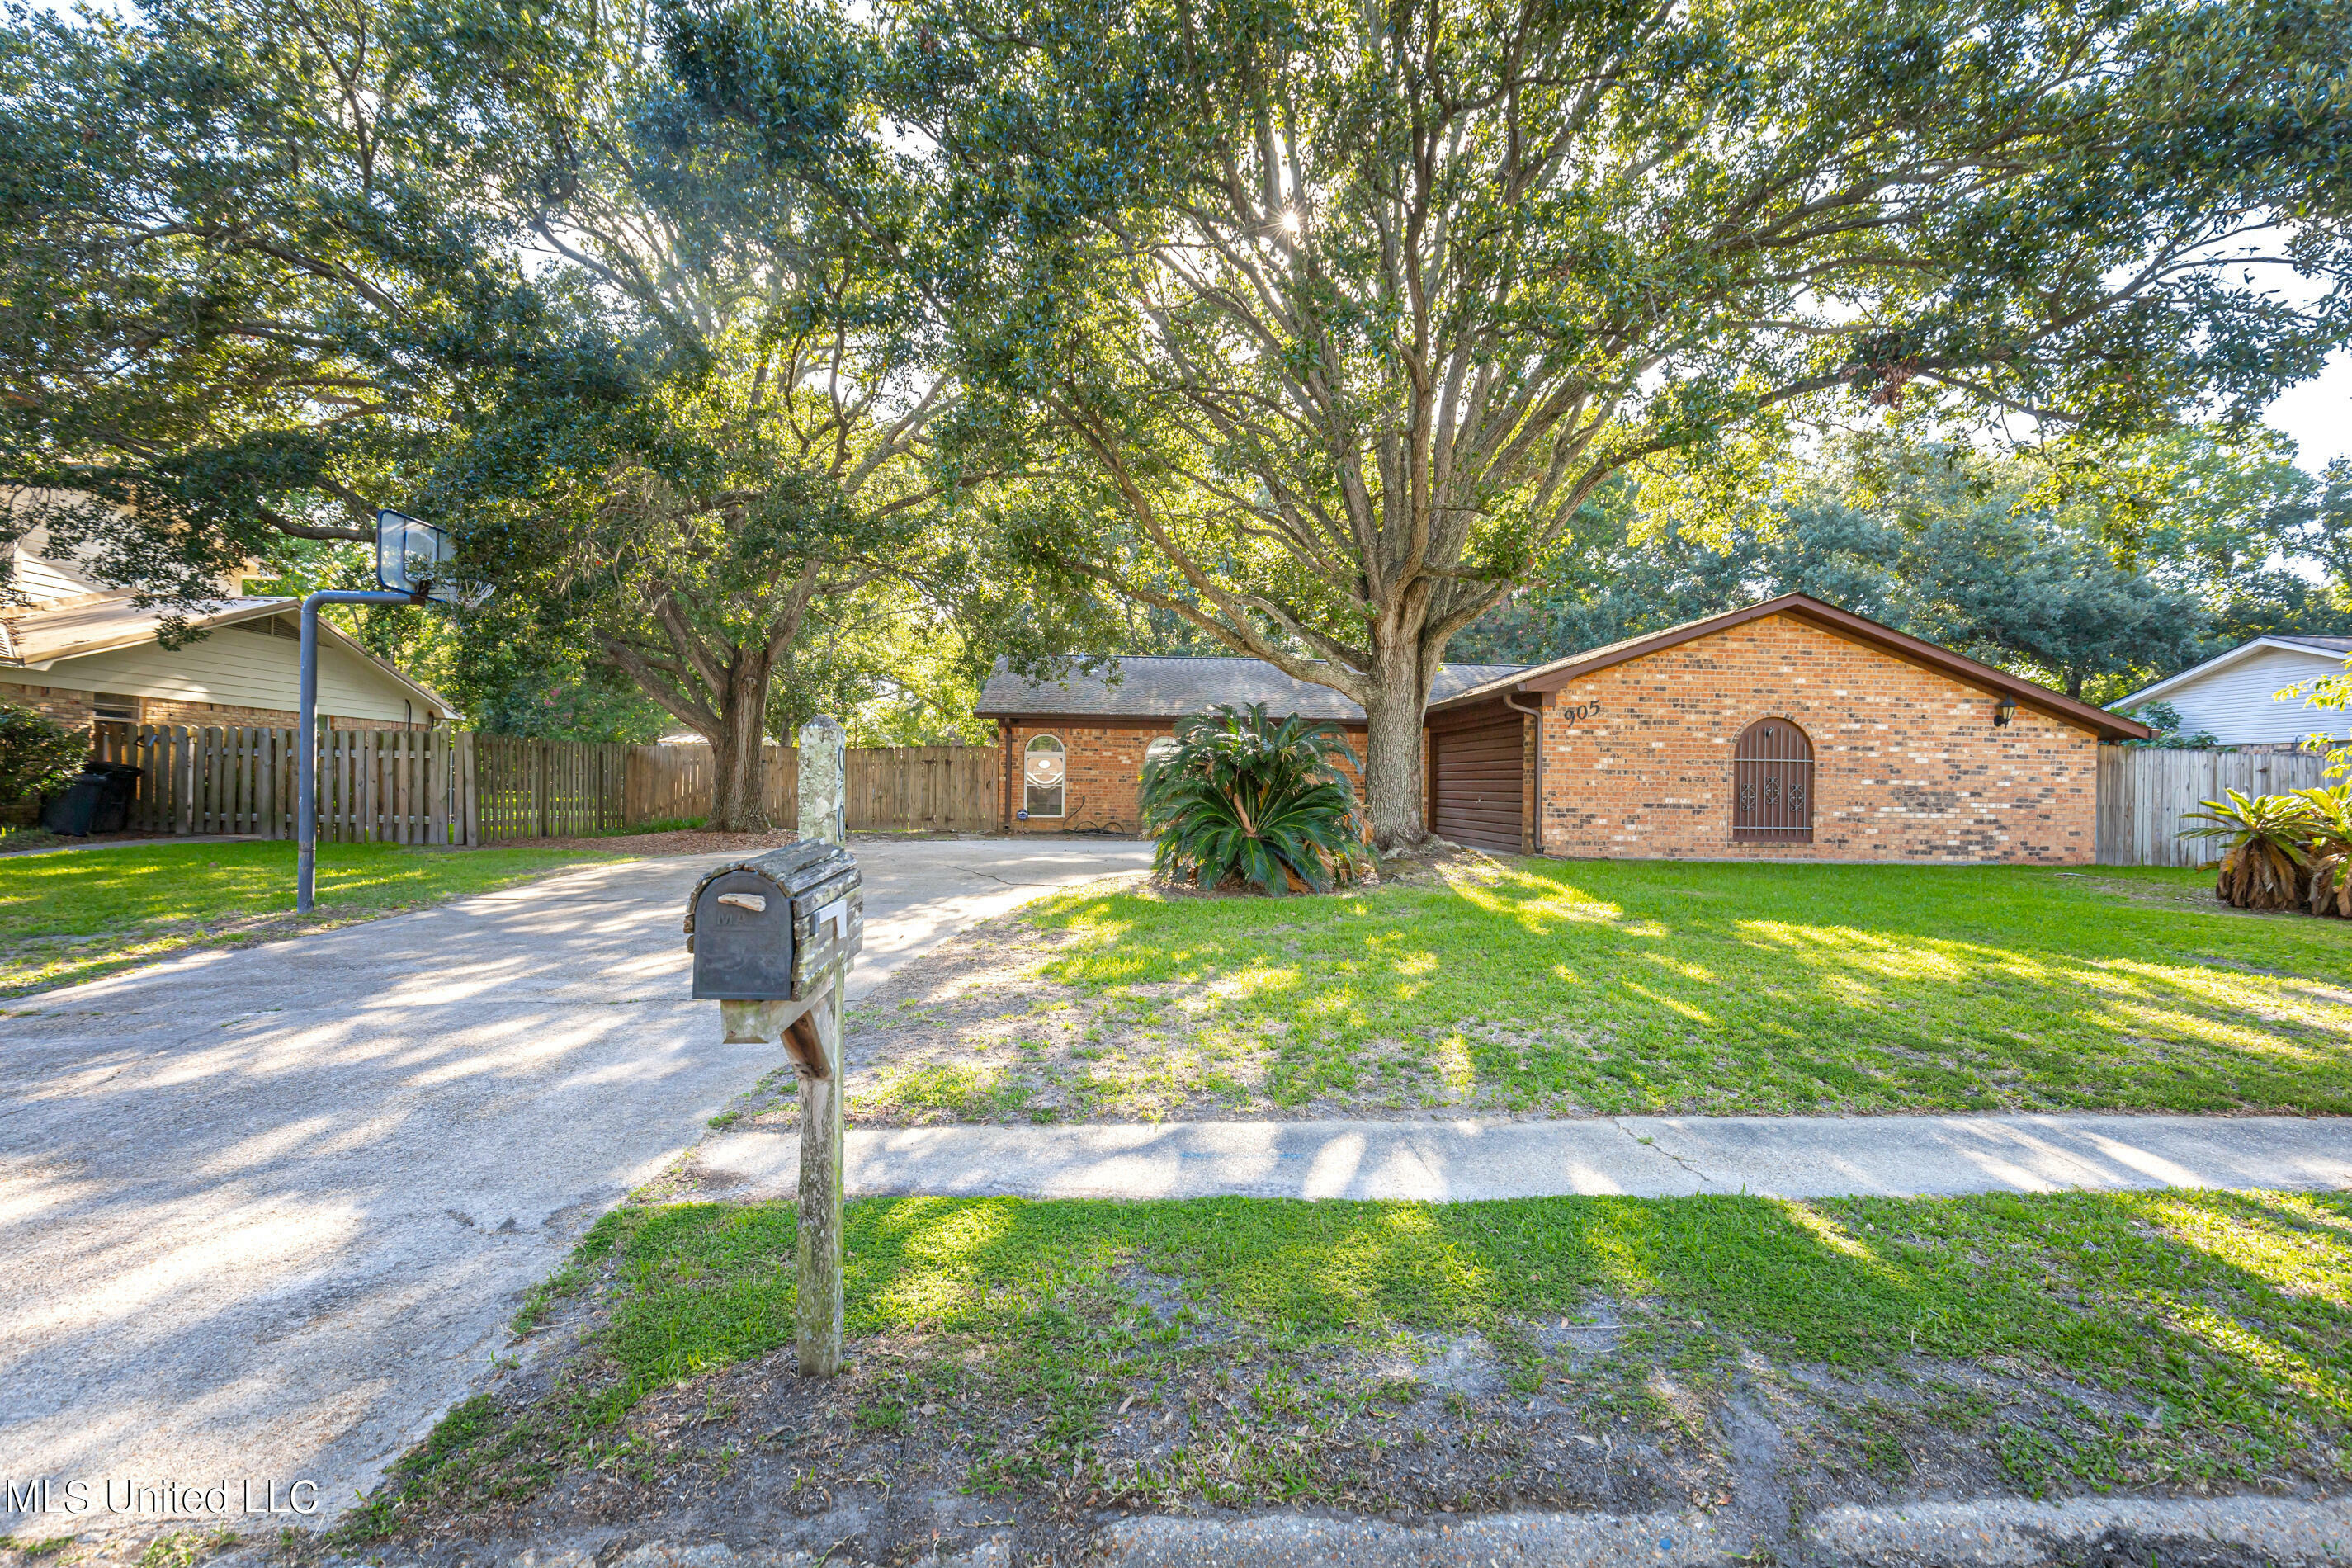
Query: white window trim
1063,788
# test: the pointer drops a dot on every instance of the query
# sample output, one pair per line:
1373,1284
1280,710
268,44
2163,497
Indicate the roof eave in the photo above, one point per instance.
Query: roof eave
259,611
1827,617
2221,661
109,644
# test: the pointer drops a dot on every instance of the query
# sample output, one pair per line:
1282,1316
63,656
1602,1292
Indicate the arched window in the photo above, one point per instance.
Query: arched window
1043,766
1772,784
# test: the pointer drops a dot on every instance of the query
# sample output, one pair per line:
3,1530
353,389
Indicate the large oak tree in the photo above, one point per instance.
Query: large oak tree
735,451
1328,317
266,266
236,298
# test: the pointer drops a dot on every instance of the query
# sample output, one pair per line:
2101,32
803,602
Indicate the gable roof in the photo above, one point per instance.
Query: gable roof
41,637
1827,617
1158,688
2289,642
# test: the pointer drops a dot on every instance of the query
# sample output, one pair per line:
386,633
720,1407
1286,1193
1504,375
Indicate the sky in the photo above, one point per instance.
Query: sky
2317,415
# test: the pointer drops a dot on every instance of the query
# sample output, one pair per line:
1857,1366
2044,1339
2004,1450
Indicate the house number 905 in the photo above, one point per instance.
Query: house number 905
1581,710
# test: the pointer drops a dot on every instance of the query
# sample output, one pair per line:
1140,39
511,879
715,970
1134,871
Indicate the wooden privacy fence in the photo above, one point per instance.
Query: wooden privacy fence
548,789
436,787
2144,792
942,788
667,783
375,786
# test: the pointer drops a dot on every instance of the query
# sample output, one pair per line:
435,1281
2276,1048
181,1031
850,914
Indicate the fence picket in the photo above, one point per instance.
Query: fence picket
2145,792
456,788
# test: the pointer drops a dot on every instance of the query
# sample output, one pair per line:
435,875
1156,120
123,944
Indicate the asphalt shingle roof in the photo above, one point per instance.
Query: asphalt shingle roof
1158,688
113,621
2327,644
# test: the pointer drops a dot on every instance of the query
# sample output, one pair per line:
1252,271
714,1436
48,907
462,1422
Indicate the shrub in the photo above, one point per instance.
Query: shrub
2164,719
2265,864
1236,795
2329,851
35,751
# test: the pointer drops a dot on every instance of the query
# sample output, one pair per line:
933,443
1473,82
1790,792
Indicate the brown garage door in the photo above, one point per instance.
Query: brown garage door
1478,774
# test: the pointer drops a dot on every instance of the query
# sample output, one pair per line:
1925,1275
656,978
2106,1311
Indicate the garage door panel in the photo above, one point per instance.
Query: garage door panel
1477,774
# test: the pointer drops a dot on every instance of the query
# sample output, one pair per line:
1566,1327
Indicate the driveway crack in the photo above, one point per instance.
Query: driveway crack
1003,881
1653,1145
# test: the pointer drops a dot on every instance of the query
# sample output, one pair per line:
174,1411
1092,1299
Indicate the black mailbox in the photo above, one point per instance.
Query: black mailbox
769,930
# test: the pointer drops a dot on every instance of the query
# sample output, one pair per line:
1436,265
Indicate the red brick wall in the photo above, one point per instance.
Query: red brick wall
1099,793
1106,764
1908,764
70,709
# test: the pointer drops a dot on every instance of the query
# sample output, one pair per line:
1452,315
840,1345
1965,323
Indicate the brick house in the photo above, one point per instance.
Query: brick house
83,654
1789,728
1072,748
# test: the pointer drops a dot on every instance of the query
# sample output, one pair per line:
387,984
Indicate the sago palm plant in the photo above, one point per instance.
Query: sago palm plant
1236,795
2266,862
2327,850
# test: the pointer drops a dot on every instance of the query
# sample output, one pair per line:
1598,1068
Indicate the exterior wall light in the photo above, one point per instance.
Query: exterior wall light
2003,712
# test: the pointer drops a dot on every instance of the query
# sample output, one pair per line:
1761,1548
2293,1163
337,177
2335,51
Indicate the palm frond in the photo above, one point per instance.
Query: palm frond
2327,850
2266,861
1237,796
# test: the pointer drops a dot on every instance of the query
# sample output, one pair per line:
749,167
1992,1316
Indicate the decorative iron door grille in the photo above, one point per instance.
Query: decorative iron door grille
1772,784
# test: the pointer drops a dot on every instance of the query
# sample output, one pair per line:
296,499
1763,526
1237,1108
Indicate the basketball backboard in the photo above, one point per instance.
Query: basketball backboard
416,557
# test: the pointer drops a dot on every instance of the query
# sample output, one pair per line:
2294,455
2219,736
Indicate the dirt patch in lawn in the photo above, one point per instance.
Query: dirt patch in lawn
2200,898
935,1443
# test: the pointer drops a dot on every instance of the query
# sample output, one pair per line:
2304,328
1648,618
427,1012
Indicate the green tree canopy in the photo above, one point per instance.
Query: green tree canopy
735,449
272,265
1328,319
2022,562
238,299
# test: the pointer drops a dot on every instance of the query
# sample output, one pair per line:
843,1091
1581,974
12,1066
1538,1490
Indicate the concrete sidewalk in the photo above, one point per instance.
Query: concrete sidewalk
1639,1156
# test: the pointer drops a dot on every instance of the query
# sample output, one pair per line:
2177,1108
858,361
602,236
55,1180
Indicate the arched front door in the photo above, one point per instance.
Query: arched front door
1772,784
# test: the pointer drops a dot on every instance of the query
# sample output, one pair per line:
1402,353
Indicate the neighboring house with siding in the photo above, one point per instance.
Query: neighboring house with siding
2233,697
82,653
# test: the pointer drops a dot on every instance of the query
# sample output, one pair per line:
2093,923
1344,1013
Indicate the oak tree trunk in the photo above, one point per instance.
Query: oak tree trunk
1392,769
739,750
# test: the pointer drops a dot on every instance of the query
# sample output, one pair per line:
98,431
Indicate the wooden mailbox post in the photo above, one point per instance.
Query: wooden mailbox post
773,938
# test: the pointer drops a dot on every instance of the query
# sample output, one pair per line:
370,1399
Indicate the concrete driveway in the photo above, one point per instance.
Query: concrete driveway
264,1215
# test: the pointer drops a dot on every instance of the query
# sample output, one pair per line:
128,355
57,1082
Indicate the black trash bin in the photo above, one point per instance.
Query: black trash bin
96,800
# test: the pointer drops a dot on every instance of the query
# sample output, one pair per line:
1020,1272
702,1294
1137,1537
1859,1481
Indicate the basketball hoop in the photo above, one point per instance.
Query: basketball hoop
418,558
415,563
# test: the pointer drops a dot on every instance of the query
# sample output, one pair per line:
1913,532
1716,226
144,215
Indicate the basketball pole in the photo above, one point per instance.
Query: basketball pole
306,786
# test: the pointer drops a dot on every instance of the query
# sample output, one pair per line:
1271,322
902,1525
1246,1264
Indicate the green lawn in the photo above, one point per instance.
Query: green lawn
1614,987
1263,1349
65,918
